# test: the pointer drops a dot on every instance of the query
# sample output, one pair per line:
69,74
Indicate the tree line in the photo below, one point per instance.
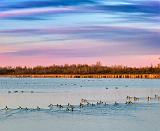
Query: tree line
79,69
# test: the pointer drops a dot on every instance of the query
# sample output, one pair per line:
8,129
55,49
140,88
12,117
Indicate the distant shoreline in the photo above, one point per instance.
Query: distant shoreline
143,76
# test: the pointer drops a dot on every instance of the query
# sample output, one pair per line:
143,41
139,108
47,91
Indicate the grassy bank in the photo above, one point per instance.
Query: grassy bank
143,76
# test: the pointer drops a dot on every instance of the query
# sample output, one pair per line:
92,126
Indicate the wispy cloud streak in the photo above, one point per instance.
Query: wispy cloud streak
108,28
34,11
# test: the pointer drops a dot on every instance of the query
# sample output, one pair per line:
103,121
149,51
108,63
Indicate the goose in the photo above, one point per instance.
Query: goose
148,98
19,108
67,109
50,105
26,108
129,102
156,96
136,99
38,108
101,102
6,108
93,104
129,98
97,103
60,106
116,103
81,105
88,103
105,103
72,109
68,104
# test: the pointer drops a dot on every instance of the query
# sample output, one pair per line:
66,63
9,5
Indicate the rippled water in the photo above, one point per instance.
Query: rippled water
122,117
142,117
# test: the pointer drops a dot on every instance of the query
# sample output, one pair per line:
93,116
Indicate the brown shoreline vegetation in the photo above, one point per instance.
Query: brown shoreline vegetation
82,71
142,76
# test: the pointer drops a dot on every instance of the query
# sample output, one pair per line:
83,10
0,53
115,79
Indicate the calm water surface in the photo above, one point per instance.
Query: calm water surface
140,117
71,84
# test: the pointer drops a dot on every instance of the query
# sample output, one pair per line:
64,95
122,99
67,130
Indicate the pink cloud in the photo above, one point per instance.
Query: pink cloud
139,60
12,13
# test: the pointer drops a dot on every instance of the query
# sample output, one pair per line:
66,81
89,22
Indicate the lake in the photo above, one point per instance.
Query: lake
143,115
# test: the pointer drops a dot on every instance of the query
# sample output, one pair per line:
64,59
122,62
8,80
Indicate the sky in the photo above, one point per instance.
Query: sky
47,32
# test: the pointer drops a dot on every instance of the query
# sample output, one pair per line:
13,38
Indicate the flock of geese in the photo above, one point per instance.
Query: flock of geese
20,92
69,107
85,102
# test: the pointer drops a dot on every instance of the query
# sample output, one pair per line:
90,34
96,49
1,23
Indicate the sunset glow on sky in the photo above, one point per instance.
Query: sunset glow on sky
46,32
